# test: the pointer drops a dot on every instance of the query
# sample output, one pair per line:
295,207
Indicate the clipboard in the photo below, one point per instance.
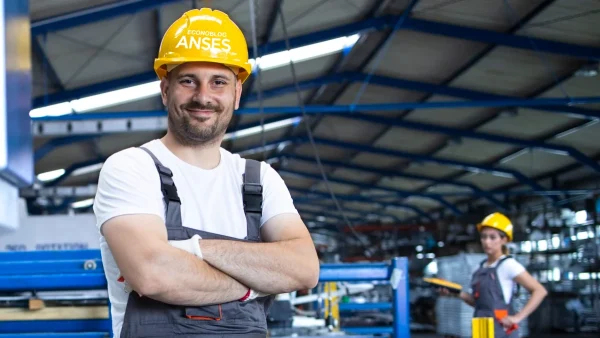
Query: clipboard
452,287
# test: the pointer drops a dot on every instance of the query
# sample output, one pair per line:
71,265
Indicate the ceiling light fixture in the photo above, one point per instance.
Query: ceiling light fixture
150,89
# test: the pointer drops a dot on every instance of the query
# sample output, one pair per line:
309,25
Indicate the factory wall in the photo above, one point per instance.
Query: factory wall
53,232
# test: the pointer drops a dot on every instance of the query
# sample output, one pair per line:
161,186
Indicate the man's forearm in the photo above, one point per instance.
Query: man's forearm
276,267
180,278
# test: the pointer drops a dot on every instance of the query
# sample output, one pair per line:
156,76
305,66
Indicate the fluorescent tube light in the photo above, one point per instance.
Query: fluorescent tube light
116,97
52,110
309,52
51,175
82,203
258,129
87,169
146,90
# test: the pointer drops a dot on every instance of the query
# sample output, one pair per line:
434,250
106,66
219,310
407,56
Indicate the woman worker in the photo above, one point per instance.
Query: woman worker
492,284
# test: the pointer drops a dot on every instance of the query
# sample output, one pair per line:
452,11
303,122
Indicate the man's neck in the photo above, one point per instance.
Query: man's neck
205,157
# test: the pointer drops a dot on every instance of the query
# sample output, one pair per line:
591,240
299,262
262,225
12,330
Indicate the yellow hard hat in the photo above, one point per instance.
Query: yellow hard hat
204,35
498,221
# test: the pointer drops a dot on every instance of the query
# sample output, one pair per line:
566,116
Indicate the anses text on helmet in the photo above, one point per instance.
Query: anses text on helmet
205,40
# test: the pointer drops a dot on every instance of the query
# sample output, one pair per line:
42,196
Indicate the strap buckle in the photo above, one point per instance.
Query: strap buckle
252,197
164,170
170,191
252,189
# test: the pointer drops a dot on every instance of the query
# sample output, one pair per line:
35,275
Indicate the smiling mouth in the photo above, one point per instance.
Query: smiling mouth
200,112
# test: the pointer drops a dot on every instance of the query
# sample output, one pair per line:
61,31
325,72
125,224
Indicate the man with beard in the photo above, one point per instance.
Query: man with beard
196,240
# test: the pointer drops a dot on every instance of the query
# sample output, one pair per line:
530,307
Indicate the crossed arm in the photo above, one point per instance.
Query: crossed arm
155,269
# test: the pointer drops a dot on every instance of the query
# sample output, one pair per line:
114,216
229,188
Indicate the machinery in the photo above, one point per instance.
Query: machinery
64,293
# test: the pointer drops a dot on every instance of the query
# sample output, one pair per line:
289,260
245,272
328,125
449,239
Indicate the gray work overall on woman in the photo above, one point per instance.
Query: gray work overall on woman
489,299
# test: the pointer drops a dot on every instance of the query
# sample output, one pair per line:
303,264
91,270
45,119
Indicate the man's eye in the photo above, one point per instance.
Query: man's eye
187,81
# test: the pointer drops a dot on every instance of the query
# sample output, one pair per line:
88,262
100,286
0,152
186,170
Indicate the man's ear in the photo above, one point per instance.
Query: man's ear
238,93
164,88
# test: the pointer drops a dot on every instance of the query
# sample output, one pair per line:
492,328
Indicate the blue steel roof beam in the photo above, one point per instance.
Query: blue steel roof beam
93,89
362,26
536,93
94,14
347,109
471,94
272,47
371,55
401,193
553,174
509,40
329,79
455,132
527,18
367,201
104,12
426,158
342,60
46,65
332,214
390,173
271,21
444,29
72,168
57,142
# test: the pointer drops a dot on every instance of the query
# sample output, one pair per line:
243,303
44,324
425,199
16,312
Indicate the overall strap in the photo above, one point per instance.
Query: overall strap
169,191
502,261
517,290
252,197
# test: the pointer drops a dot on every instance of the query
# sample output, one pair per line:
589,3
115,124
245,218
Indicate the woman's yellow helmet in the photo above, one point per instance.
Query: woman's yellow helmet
498,221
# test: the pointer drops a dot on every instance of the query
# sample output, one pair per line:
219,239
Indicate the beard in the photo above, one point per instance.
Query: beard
190,130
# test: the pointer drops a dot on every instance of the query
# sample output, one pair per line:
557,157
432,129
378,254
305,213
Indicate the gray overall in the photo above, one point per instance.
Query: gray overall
145,317
488,296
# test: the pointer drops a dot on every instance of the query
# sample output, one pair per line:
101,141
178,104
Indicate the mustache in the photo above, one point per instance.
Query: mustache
200,106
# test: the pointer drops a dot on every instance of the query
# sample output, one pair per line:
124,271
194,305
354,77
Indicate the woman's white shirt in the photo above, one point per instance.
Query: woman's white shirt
507,272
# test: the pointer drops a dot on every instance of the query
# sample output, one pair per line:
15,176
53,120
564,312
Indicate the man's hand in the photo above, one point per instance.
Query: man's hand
286,261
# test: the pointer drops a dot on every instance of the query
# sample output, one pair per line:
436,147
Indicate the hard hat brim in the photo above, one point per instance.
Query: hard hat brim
161,63
480,226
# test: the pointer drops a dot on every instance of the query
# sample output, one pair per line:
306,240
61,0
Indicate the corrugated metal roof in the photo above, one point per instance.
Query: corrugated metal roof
446,53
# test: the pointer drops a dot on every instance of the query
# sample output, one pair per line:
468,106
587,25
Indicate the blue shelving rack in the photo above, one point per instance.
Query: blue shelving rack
83,270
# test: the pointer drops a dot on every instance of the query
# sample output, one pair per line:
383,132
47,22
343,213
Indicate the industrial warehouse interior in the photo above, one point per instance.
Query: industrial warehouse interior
423,144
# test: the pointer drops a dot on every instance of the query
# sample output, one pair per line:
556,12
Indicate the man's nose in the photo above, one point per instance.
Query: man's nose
202,95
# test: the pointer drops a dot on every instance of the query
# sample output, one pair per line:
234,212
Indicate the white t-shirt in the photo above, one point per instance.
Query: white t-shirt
508,270
211,200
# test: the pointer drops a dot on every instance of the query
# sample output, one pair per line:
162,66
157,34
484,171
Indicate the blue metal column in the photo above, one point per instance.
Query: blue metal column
401,301
16,141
